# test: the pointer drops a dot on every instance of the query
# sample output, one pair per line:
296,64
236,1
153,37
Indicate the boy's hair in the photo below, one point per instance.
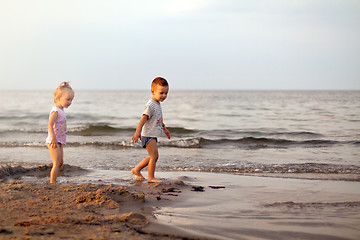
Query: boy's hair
159,81
64,86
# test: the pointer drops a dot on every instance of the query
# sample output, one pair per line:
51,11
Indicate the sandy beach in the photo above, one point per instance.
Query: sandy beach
31,210
187,205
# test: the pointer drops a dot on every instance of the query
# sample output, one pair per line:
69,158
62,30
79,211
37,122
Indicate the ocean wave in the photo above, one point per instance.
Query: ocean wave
251,143
71,144
106,129
270,132
99,130
22,144
258,143
279,168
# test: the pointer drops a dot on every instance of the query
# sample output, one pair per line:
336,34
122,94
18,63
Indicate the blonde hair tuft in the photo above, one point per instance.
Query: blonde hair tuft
64,86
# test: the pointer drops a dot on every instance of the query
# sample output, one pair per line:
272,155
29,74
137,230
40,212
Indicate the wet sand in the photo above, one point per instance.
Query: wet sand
254,207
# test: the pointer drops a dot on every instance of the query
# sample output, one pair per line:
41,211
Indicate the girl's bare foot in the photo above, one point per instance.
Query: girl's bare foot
137,173
154,180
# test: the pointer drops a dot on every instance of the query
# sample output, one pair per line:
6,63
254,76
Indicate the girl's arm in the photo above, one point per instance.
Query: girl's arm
137,134
54,143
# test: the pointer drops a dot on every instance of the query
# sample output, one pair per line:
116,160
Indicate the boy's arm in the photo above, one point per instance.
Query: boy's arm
166,131
137,134
52,118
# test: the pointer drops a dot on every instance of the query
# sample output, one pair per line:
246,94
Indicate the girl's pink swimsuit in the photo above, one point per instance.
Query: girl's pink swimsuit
59,126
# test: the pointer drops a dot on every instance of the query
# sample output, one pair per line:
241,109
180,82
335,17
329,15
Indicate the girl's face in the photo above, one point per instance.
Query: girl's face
160,93
65,100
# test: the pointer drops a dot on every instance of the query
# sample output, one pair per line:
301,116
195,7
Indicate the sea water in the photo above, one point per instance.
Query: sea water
301,146
280,132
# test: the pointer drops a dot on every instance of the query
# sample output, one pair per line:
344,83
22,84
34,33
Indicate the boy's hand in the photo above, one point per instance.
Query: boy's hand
167,133
137,134
136,137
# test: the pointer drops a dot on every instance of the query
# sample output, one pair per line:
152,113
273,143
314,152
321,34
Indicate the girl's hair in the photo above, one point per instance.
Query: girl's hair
64,86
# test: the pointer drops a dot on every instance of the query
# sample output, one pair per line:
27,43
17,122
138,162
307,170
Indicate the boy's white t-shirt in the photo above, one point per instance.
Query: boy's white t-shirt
153,126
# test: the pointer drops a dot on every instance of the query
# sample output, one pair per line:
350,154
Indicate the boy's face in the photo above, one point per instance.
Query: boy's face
159,93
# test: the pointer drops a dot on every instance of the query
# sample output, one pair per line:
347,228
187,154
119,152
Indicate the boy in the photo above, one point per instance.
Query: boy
150,127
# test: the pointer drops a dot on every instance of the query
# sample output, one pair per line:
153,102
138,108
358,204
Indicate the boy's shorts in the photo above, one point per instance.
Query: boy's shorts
146,140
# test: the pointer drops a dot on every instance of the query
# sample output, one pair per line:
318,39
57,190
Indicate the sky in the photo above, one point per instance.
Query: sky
194,44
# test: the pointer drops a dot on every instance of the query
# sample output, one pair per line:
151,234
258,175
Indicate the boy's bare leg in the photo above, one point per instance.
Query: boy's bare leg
154,155
136,170
57,158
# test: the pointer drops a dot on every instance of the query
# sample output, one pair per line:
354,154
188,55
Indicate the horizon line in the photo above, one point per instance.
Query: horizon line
195,89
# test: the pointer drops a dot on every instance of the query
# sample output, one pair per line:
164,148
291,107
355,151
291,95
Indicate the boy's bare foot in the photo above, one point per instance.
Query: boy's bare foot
154,180
137,173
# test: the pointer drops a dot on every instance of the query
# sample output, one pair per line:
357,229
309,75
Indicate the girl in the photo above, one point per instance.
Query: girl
63,96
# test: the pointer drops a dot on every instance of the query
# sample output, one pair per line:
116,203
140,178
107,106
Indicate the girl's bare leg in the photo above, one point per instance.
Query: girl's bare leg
154,155
57,158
